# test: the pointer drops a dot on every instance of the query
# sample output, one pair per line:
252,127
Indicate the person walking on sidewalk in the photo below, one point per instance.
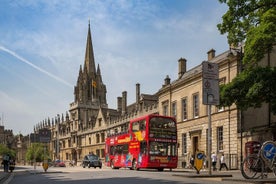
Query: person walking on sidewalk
6,161
214,161
222,162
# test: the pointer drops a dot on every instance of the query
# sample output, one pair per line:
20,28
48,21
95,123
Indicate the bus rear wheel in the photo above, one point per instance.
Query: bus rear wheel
112,164
134,165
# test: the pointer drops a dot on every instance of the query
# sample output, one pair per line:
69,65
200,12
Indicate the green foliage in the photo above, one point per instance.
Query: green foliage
250,89
261,39
4,150
252,21
36,151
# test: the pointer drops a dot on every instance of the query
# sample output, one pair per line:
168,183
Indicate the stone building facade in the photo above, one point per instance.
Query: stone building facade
182,99
84,128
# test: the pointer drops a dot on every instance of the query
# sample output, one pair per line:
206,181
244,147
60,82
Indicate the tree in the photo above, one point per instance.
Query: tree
4,150
252,21
36,152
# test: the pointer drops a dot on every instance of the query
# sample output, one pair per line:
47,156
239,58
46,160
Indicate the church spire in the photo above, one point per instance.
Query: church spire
89,62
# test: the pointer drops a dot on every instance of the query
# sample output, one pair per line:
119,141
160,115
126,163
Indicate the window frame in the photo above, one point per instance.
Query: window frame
184,108
196,105
220,138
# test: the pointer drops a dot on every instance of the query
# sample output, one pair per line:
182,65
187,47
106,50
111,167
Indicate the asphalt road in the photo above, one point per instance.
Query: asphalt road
81,175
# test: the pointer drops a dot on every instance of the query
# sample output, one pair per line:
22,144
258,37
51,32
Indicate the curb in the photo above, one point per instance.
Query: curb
42,172
4,177
271,180
204,175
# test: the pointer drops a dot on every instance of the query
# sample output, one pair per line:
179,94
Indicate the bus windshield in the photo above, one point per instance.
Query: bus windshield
163,148
162,128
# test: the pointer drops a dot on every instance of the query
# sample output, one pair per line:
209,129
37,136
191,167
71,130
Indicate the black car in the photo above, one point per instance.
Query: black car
91,161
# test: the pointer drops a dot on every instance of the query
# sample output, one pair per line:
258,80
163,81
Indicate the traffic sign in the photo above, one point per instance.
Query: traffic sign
210,91
210,70
44,135
210,83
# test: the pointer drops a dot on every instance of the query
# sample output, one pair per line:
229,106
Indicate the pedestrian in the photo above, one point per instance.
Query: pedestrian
192,162
6,161
204,162
12,165
222,162
214,161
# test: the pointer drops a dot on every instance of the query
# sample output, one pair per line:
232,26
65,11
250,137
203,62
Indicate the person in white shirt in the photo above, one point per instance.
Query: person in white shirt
214,161
222,162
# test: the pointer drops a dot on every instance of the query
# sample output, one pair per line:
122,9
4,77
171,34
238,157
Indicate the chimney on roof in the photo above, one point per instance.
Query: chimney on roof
167,80
211,54
119,104
137,92
182,62
124,102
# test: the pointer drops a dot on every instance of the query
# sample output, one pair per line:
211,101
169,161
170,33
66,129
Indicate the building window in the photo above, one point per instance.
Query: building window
100,122
89,140
102,153
102,137
97,138
196,105
220,138
174,113
184,144
184,109
98,153
165,108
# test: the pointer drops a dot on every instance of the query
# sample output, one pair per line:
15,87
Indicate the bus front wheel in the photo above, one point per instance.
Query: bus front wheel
160,169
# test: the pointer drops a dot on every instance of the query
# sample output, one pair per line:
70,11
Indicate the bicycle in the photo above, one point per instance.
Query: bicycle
258,165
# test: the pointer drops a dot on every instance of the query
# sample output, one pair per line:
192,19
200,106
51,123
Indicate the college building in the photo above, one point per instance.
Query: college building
89,120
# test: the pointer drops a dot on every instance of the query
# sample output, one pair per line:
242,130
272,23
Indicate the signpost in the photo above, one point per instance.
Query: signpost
45,137
210,92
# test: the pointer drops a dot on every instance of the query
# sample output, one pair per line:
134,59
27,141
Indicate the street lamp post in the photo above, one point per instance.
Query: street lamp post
239,64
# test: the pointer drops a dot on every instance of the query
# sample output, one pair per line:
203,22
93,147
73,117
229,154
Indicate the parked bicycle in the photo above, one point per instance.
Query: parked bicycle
258,165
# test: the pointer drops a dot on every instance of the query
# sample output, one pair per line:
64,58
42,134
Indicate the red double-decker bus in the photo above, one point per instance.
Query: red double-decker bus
150,142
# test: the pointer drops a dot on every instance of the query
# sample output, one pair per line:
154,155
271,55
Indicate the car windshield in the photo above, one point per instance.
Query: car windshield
93,157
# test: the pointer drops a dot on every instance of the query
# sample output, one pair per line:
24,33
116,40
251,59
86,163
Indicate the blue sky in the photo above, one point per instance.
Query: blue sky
43,43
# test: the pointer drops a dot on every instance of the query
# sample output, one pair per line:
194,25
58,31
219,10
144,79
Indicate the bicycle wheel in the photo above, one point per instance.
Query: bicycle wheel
252,167
274,170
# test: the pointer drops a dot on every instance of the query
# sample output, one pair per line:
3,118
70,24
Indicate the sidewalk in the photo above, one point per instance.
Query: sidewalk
230,175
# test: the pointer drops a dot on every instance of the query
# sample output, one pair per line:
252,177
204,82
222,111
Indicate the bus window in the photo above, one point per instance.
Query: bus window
143,125
139,126
112,150
135,126
125,149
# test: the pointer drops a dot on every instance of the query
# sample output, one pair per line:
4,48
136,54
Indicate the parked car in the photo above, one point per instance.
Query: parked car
91,160
59,163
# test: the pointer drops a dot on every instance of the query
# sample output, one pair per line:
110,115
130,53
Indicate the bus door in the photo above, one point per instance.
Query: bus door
143,154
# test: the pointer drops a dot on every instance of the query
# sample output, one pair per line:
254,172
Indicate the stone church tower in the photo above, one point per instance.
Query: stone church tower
90,91
90,88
